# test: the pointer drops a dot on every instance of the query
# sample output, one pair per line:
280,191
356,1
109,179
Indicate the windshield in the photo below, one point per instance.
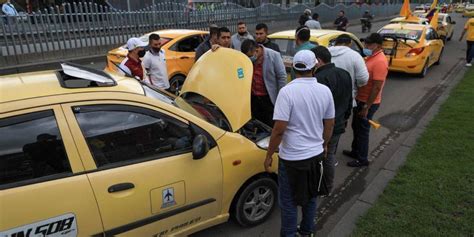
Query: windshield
287,49
194,104
402,33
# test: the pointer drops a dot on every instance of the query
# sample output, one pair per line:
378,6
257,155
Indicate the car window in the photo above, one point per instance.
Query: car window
287,46
120,134
188,44
429,34
355,46
32,149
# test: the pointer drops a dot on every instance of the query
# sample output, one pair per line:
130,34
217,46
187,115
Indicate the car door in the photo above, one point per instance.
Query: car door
430,46
437,44
143,170
43,188
450,26
185,50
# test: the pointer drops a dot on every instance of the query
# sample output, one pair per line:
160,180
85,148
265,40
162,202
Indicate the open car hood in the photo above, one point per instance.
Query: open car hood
224,77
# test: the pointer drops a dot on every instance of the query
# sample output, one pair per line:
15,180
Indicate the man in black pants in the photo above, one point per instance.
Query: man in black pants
340,83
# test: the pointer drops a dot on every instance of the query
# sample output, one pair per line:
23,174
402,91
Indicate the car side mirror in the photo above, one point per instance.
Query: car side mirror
200,147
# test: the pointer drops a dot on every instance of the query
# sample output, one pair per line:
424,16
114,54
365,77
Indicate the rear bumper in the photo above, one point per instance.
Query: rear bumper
407,65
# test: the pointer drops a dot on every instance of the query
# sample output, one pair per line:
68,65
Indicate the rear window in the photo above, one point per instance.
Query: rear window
402,33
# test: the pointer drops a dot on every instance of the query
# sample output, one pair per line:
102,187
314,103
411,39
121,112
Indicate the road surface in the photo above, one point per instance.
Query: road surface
405,99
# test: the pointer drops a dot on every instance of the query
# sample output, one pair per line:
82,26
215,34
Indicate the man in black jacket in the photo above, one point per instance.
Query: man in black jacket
261,33
340,83
208,42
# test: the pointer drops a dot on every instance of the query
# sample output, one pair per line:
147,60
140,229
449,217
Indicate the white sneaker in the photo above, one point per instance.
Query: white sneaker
468,64
336,163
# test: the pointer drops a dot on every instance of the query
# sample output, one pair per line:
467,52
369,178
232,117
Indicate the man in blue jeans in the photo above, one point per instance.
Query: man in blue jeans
368,100
304,120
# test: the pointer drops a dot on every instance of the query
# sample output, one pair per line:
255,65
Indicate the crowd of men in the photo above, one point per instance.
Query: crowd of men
308,115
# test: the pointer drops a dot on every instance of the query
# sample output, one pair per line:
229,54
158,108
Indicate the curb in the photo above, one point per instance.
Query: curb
346,225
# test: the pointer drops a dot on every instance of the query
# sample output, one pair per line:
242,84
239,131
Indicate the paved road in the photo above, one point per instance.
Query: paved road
405,99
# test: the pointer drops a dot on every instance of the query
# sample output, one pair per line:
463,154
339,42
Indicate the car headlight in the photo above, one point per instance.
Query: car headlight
264,143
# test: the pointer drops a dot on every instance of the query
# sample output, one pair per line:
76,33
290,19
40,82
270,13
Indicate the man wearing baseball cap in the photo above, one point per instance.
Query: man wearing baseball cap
132,65
368,100
304,120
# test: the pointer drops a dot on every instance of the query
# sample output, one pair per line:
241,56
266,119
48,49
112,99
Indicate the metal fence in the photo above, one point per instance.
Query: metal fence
86,29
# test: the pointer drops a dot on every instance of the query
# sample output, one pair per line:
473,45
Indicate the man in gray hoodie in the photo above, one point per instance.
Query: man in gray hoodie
346,58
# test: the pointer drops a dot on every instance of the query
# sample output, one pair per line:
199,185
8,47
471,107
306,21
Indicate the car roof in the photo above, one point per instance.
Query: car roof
402,18
405,26
173,33
24,86
314,33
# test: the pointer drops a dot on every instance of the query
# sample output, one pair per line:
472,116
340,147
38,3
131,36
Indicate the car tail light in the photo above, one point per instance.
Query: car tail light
414,52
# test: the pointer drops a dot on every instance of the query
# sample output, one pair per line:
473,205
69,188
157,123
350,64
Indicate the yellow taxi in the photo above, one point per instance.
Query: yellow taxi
459,8
85,153
179,47
468,11
411,48
411,20
445,26
286,42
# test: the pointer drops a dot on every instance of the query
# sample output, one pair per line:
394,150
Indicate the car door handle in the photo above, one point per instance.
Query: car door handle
184,57
120,187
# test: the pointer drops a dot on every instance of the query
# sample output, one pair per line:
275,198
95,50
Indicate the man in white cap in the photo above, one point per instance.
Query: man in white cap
304,121
132,65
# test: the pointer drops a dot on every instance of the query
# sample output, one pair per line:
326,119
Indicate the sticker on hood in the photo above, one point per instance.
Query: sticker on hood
64,225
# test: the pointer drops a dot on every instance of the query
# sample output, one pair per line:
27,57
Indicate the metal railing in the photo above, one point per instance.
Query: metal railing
85,29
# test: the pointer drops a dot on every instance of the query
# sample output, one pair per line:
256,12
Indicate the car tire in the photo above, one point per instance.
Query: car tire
439,59
176,83
256,202
424,71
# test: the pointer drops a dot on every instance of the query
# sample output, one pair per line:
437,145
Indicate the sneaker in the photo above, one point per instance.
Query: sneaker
356,163
468,64
336,163
350,154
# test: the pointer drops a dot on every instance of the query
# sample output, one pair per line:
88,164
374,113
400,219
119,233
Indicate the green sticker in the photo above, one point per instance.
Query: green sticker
240,73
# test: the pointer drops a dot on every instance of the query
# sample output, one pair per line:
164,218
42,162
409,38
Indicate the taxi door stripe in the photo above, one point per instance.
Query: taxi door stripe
149,220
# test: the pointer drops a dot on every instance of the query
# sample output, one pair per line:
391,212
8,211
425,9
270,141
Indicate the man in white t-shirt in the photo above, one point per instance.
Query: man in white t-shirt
304,120
155,63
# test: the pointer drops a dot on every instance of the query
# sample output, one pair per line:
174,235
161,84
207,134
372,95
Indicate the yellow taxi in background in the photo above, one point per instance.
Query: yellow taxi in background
411,48
468,11
411,20
179,47
459,8
445,26
84,153
286,42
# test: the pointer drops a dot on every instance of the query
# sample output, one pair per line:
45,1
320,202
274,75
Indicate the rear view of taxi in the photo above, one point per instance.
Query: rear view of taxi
445,26
468,11
411,48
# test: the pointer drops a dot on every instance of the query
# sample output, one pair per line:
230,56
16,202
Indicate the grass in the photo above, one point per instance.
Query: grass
433,193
